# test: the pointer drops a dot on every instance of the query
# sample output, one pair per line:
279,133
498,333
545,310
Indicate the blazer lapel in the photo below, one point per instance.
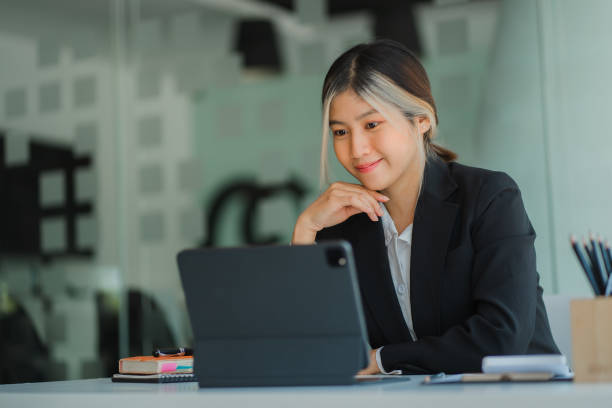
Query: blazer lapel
376,282
433,223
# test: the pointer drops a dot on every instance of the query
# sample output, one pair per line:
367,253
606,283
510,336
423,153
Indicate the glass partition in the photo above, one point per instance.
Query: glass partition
60,278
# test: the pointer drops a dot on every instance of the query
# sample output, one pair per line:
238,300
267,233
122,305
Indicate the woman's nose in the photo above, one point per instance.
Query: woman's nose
360,145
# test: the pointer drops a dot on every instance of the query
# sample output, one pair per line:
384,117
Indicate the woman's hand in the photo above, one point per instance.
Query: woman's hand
372,368
336,204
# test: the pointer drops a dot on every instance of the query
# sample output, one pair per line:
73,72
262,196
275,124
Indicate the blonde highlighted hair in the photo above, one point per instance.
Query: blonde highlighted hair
389,78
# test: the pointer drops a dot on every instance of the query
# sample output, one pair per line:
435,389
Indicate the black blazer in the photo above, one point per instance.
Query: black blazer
474,288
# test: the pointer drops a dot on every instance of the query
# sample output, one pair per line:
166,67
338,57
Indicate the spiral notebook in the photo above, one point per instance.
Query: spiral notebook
155,378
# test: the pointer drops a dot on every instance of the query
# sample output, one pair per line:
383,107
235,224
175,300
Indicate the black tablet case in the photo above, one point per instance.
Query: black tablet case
275,315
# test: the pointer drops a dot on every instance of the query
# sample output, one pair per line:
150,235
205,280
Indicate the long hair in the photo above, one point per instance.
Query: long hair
391,79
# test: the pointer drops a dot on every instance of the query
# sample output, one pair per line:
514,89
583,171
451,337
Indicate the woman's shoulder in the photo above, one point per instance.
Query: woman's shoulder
480,179
480,187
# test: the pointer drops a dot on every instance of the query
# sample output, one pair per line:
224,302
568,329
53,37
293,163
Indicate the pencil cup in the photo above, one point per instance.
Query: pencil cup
592,339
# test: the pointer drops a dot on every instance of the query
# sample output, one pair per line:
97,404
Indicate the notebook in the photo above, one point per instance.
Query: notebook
154,378
156,365
518,368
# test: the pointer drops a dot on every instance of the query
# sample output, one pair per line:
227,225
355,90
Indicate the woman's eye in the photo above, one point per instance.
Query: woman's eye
340,132
372,125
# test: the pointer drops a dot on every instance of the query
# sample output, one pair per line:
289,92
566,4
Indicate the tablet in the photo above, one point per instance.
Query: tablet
274,315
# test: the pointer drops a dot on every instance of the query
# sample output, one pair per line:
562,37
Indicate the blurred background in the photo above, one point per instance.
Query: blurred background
131,129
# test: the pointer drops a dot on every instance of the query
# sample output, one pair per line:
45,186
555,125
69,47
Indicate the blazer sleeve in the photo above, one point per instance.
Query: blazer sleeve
504,291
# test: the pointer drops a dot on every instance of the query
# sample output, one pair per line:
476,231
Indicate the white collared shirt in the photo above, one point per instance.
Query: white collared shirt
398,251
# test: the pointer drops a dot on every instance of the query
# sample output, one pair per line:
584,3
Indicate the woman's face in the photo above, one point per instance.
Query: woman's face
375,152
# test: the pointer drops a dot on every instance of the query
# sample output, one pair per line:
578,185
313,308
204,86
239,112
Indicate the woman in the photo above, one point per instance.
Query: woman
444,252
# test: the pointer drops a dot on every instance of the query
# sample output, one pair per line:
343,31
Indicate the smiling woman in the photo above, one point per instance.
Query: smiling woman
367,143
446,264
396,88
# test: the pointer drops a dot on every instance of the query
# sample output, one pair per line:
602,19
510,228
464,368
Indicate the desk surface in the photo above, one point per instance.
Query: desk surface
103,393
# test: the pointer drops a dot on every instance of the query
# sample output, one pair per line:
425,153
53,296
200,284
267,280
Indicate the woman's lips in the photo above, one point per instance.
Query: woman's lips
368,168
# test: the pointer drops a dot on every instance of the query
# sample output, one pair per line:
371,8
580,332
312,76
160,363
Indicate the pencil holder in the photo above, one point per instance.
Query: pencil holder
592,339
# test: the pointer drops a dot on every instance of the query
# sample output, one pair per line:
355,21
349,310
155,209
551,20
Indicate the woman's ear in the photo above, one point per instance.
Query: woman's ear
423,124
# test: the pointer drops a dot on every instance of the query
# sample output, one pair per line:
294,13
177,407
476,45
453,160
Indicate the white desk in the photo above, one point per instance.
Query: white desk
411,394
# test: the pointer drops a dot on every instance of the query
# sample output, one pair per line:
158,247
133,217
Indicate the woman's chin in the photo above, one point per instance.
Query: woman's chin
373,184
372,180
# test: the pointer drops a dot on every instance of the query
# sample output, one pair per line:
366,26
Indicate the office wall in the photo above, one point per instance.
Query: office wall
577,60
510,133
99,81
542,121
458,40
55,89
267,133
